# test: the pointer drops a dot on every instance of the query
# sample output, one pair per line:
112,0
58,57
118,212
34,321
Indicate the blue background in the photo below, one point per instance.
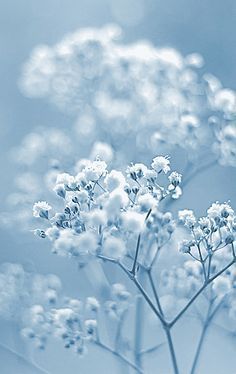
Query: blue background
204,26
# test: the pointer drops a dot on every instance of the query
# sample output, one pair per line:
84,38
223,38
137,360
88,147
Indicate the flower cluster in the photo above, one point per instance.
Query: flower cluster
152,95
211,233
155,97
75,322
20,289
105,212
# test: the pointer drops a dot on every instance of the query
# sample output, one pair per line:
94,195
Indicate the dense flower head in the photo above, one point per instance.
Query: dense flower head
104,212
211,241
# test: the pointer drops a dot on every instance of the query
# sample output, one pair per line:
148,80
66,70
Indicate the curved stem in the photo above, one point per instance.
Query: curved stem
120,356
210,280
35,367
151,349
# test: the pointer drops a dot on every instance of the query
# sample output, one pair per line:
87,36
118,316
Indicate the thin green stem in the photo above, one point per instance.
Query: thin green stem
36,369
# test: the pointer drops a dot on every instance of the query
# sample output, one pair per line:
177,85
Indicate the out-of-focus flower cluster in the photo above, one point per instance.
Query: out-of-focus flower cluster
76,322
134,93
105,211
129,100
20,289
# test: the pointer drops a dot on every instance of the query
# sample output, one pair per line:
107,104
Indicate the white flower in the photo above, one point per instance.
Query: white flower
114,247
146,201
225,146
187,217
60,190
92,304
87,242
117,200
177,193
69,243
91,327
133,221
185,246
136,171
175,178
95,170
205,224
76,305
64,178
150,174
119,291
225,100
81,178
220,211
41,209
189,122
161,163
52,233
114,179
97,217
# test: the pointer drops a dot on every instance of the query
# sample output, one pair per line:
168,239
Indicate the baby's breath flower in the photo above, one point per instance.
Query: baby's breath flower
133,221
97,217
41,209
114,247
91,328
115,179
60,190
94,170
136,171
187,217
175,178
185,246
161,163
146,201
117,200
92,304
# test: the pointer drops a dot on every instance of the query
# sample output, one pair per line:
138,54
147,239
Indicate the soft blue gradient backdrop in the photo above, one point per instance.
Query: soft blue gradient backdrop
204,26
